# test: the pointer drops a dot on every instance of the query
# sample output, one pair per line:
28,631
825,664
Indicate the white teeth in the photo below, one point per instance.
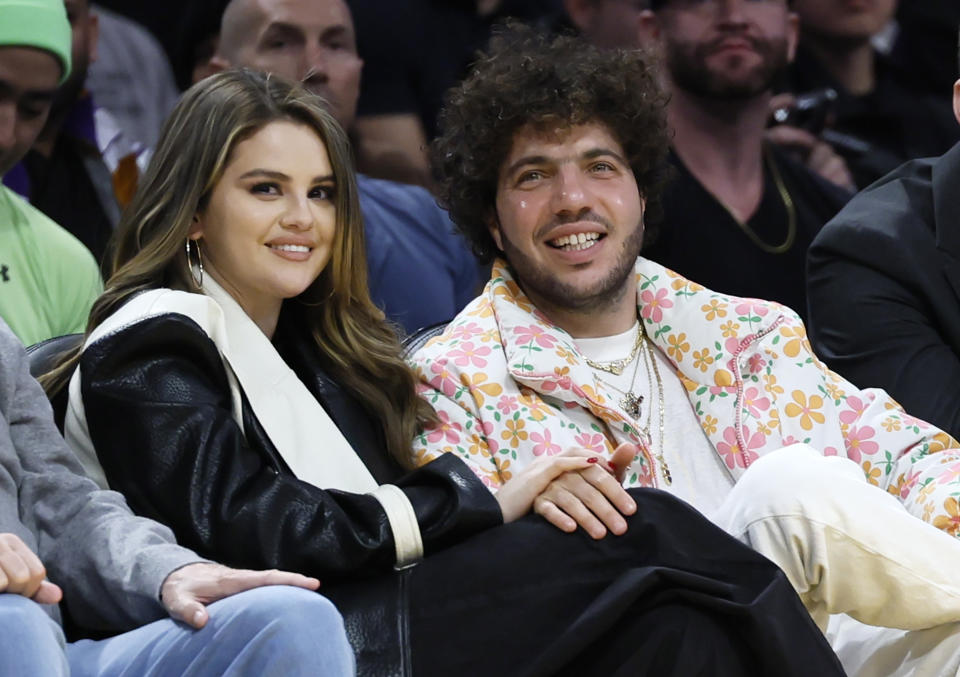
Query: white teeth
576,242
290,247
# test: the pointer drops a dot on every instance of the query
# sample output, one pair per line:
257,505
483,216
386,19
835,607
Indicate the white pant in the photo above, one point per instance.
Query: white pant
851,548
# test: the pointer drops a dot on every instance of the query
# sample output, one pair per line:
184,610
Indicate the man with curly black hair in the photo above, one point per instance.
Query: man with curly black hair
550,160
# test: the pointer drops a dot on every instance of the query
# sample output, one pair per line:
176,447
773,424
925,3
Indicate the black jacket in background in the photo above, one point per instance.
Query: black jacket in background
884,289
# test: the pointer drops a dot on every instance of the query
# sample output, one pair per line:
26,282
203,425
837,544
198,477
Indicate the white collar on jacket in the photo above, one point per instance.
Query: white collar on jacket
300,429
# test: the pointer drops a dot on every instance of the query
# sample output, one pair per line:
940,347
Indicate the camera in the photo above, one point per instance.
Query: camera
811,110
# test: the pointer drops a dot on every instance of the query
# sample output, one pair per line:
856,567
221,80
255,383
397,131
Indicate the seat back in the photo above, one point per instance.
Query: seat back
415,341
43,357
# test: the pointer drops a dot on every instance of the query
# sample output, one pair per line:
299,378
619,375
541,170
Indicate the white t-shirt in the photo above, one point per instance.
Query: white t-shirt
699,475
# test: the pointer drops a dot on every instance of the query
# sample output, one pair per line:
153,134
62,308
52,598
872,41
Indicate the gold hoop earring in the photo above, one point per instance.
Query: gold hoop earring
197,280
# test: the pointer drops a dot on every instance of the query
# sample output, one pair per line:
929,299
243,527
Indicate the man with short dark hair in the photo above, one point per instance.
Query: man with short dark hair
549,160
737,196
420,271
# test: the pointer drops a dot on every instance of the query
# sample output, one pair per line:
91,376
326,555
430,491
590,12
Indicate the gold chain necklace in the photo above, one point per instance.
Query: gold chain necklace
652,362
630,402
787,203
616,367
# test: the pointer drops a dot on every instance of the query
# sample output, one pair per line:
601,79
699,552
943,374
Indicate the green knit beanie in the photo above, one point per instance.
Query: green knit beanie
37,23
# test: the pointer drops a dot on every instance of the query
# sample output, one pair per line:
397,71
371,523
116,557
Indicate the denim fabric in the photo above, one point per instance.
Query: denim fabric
280,630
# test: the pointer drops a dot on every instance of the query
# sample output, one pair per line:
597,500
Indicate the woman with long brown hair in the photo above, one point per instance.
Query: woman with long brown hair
237,383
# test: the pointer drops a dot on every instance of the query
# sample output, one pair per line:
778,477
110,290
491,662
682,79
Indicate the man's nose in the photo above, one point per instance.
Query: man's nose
571,192
316,63
731,11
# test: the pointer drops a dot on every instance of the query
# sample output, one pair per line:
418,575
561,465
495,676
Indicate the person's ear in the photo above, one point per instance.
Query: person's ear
581,13
493,227
956,100
215,64
793,35
93,36
196,227
648,30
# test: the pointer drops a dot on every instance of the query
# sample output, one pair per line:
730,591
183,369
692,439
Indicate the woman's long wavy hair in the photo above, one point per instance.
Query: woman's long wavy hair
360,349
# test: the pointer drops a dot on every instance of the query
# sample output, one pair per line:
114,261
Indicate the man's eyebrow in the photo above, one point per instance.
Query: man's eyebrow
33,95
283,28
339,30
527,160
591,154
601,152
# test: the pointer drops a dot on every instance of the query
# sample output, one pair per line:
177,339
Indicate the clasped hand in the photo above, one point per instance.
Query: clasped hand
575,488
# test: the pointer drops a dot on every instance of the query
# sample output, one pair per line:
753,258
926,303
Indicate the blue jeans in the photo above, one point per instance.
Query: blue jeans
275,630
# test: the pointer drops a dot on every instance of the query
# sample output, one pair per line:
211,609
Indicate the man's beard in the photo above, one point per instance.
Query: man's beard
540,284
688,69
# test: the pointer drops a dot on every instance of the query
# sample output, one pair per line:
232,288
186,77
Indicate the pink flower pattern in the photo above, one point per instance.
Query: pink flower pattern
913,460
653,304
749,307
507,404
591,441
446,431
858,442
534,334
467,354
855,410
755,402
544,445
443,380
731,452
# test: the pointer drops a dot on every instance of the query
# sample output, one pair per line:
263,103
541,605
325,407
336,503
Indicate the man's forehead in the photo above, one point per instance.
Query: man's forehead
28,70
560,138
318,15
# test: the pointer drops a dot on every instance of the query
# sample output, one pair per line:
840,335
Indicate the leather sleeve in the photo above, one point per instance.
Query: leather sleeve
158,409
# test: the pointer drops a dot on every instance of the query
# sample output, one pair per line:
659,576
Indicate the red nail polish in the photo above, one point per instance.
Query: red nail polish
592,459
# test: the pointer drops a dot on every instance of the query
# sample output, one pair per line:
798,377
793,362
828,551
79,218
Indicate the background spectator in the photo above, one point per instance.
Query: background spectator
413,51
131,77
82,168
740,213
881,117
48,279
884,287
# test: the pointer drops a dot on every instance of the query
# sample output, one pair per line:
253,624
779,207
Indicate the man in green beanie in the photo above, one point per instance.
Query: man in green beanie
48,279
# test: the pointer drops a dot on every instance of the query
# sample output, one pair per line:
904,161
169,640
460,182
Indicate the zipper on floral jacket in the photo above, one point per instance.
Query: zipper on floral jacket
734,365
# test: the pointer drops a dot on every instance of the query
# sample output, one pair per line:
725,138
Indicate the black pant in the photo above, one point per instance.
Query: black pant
675,595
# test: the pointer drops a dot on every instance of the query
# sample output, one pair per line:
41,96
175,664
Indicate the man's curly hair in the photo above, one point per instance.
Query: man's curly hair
531,78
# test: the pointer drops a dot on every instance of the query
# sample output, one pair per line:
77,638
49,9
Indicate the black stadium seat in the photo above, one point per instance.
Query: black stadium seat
43,357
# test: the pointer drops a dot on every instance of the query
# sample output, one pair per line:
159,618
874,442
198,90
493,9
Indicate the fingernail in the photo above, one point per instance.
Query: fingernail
198,617
592,459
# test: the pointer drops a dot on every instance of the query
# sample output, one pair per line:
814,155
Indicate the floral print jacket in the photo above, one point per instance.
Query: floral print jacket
502,377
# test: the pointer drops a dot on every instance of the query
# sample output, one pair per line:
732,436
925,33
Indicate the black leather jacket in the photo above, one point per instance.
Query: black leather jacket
159,412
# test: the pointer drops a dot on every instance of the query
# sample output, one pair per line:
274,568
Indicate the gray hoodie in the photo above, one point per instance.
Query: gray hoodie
109,563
